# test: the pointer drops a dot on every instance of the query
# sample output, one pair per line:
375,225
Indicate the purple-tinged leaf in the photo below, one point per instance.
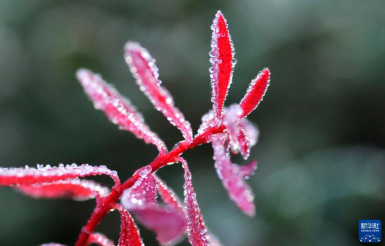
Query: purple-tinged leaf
117,108
41,174
238,139
76,189
143,192
196,225
231,121
251,131
244,144
247,170
143,67
129,232
222,59
99,239
255,92
231,178
168,195
169,223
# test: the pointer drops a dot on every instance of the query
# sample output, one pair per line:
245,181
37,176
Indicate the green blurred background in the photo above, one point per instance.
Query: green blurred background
321,149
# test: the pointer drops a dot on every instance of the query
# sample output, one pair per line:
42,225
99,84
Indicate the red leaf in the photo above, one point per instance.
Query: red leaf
196,226
247,170
76,189
238,139
168,195
244,144
100,239
143,192
255,92
143,67
27,175
222,58
169,223
129,232
231,178
117,108
251,131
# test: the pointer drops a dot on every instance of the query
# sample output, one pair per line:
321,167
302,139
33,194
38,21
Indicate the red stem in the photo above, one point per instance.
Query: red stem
107,204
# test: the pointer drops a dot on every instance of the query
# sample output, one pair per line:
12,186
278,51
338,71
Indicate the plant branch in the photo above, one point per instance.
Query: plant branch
107,204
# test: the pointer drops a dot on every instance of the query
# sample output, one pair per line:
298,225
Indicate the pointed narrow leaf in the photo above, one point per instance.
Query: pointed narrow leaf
196,225
251,131
222,59
168,195
244,144
169,223
231,178
255,92
247,170
41,174
99,239
143,67
117,108
129,232
76,189
238,140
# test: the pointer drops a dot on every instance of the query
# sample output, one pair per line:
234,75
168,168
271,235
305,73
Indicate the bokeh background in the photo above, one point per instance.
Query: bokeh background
321,149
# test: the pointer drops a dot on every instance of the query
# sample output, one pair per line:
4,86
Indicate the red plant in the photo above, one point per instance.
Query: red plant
226,128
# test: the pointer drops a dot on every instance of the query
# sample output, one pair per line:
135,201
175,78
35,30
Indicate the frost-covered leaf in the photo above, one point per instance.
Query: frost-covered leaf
244,143
143,192
196,225
168,195
223,62
208,121
143,67
255,92
231,178
99,239
251,131
76,189
168,222
247,170
117,108
129,232
45,174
